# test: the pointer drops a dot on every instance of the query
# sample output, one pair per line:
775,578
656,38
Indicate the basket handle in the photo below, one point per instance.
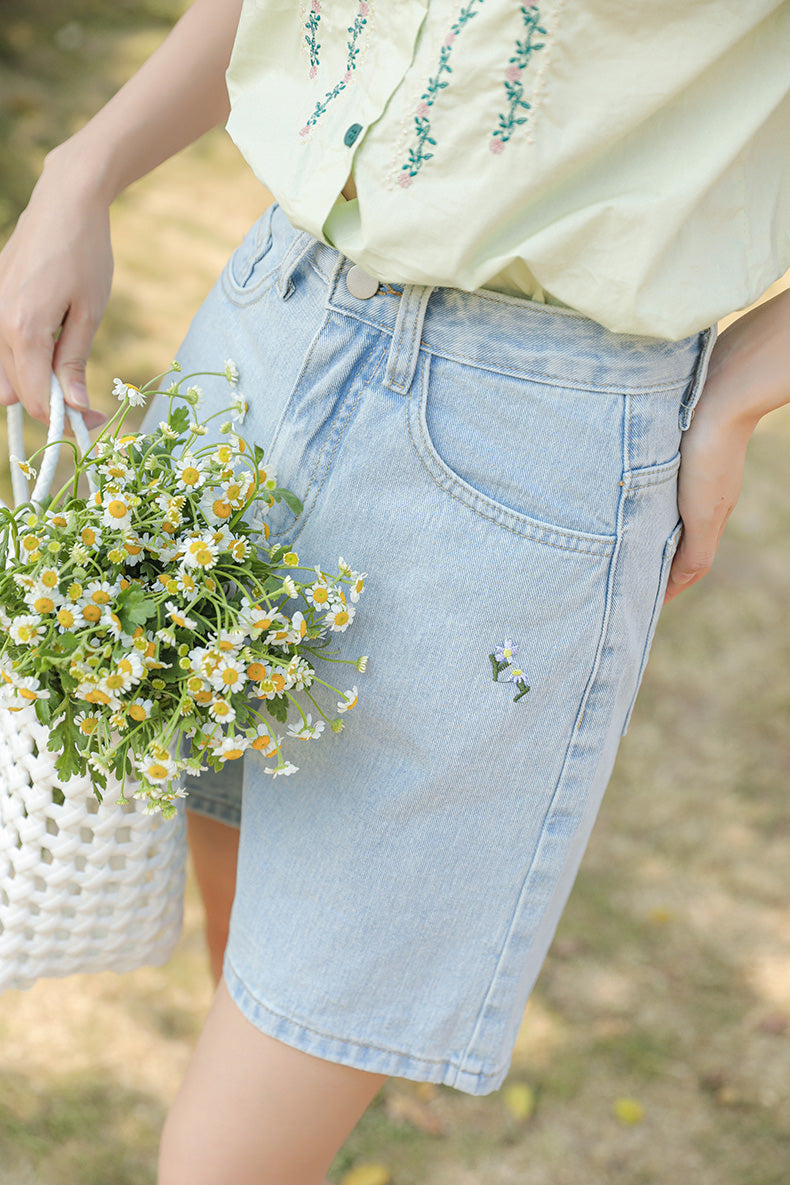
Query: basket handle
58,410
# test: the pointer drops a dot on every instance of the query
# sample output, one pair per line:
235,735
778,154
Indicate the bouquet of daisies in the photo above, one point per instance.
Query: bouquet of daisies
150,624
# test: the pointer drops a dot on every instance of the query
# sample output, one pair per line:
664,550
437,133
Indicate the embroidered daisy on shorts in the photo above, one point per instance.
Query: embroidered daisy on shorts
507,669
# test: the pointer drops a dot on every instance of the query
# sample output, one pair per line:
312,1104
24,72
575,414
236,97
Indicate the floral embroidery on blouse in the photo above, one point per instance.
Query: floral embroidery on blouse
313,44
514,86
352,52
422,118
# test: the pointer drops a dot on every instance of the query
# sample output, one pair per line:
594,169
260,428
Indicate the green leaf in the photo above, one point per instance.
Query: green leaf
179,419
278,708
134,607
290,500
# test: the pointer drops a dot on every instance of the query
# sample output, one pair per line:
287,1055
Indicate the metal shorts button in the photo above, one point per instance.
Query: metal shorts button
351,134
360,283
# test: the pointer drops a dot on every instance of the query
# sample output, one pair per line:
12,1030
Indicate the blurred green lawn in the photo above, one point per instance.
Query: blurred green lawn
669,980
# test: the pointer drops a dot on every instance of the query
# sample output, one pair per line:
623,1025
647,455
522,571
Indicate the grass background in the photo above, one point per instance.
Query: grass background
668,985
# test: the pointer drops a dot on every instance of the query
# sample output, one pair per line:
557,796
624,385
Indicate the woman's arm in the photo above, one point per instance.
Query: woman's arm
56,269
749,375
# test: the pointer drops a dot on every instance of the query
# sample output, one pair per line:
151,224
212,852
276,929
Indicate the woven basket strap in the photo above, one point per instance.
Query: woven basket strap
57,419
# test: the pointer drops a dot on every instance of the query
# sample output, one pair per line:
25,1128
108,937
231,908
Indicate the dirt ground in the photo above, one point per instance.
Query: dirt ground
656,1047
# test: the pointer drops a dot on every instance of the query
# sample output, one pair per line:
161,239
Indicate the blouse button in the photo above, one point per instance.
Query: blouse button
351,134
360,283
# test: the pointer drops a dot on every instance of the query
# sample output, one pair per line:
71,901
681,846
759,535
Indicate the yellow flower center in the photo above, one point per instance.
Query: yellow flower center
92,613
88,536
190,476
341,617
261,742
115,682
137,712
44,605
65,618
157,771
257,671
230,677
96,697
89,726
222,509
117,508
49,578
233,754
30,542
26,693
101,597
320,596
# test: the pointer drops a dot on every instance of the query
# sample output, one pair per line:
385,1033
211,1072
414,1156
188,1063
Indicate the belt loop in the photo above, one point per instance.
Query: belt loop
405,347
708,340
290,261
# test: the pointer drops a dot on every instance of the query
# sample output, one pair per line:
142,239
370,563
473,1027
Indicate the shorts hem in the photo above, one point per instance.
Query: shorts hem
357,1054
210,808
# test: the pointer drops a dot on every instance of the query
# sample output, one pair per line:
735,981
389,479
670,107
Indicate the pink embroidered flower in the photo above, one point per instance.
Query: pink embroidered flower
305,130
347,76
313,71
404,180
496,145
449,39
316,5
512,73
422,109
363,8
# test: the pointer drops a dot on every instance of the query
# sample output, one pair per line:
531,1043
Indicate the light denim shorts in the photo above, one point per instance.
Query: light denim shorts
501,470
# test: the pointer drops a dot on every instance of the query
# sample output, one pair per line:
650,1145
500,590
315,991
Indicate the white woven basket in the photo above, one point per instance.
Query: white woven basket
84,886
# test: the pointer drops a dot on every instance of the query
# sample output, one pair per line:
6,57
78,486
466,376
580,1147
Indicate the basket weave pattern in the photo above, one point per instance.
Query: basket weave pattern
84,886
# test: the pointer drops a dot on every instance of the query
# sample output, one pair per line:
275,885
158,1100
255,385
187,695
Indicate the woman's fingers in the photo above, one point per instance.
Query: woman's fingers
70,360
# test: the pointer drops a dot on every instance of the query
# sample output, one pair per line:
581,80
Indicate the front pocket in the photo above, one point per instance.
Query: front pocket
670,547
540,459
247,276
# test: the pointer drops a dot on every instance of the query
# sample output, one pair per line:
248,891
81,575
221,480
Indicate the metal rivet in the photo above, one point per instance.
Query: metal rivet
360,283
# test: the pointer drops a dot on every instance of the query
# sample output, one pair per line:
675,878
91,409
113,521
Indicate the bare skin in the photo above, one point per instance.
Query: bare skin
253,1110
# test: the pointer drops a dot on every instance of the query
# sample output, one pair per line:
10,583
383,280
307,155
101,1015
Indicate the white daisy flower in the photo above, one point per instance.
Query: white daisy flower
286,769
231,748
101,592
219,709
117,511
345,705
190,472
178,618
26,629
239,410
157,769
123,391
201,552
307,731
141,709
25,466
228,675
339,617
231,372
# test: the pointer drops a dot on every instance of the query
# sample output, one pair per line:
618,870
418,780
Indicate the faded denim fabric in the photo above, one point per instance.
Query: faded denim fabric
500,470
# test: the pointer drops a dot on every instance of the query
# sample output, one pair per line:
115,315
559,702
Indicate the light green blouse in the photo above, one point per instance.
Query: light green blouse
630,160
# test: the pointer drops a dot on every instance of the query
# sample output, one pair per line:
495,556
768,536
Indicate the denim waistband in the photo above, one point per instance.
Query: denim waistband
509,334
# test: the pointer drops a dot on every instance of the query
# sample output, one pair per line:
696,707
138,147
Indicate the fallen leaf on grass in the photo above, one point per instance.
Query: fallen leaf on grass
403,1108
367,1174
628,1111
519,1098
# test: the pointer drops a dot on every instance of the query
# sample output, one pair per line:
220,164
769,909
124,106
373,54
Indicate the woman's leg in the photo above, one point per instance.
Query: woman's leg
253,1111
214,848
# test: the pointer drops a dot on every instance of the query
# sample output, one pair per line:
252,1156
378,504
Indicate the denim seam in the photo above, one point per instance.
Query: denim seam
307,1028
537,533
328,467
557,381
204,804
297,383
573,741
234,293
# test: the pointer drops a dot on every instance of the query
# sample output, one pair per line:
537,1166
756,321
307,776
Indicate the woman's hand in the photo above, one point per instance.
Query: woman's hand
55,277
749,375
